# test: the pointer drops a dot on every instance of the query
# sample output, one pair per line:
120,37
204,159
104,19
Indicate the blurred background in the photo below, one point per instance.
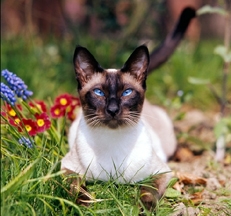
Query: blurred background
38,38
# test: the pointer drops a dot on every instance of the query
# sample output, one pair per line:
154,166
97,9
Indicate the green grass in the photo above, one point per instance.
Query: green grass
200,63
32,184
31,181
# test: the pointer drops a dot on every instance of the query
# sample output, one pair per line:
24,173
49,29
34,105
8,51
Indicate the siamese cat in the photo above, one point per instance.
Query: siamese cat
119,135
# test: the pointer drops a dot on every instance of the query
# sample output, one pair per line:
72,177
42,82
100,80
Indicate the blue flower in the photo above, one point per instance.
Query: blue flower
16,84
26,141
7,94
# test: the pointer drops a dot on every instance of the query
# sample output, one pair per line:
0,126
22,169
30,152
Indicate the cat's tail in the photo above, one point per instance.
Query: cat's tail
165,49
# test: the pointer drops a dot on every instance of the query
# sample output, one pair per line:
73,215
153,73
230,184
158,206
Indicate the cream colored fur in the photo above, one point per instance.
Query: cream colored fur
128,154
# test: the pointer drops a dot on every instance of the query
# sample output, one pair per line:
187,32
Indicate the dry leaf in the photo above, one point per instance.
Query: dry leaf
197,198
183,154
188,179
179,186
222,182
227,160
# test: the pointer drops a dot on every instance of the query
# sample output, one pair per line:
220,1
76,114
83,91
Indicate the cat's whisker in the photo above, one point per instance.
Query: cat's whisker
133,113
94,123
90,115
93,119
143,114
139,114
129,121
134,116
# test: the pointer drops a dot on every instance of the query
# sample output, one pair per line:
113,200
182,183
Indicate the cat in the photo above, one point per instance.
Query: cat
119,135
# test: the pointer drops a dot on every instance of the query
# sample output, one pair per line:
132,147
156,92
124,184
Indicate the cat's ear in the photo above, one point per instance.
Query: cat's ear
137,63
85,65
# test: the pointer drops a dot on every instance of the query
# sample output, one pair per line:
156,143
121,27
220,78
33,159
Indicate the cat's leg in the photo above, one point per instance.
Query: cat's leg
149,197
78,188
152,192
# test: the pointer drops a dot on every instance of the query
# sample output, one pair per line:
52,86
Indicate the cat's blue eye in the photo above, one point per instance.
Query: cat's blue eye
98,92
127,92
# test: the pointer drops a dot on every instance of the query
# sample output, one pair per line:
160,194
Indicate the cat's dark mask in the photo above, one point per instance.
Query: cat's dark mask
111,97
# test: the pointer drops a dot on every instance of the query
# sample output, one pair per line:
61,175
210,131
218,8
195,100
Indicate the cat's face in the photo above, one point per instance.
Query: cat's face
110,97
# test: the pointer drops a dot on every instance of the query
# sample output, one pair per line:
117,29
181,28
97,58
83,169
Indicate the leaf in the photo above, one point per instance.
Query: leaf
197,198
223,127
172,182
208,9
172,193
223,52
180,116
227,160
18,180
184,154
219,129
189,179
198,81
179,187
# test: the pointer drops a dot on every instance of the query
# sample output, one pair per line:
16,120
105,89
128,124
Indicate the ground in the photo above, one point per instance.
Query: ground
204,183
211,184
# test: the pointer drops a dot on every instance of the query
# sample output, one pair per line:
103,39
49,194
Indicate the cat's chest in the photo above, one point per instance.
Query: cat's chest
123,154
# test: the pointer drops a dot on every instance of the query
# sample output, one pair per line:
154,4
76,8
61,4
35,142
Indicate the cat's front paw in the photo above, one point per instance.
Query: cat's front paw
154,190
77,189
149,197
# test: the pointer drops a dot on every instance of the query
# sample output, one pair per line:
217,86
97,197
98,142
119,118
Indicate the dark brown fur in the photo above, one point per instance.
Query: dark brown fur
113,109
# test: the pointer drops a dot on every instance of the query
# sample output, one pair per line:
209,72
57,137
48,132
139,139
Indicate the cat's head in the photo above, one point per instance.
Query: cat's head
110,97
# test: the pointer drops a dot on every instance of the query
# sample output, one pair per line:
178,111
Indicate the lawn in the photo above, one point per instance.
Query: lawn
31,180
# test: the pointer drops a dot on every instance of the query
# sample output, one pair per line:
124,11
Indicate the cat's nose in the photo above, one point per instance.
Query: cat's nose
113,108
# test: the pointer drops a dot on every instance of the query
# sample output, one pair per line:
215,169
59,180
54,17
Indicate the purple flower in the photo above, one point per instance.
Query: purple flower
16,84
7,94
26,141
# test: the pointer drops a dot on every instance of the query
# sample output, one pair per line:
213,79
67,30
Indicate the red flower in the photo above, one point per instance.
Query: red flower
38,106
3,114
15,122
71,109
65,103
29,125
57,111
10,111
75,101
10,114
70,113
63,100
42,122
